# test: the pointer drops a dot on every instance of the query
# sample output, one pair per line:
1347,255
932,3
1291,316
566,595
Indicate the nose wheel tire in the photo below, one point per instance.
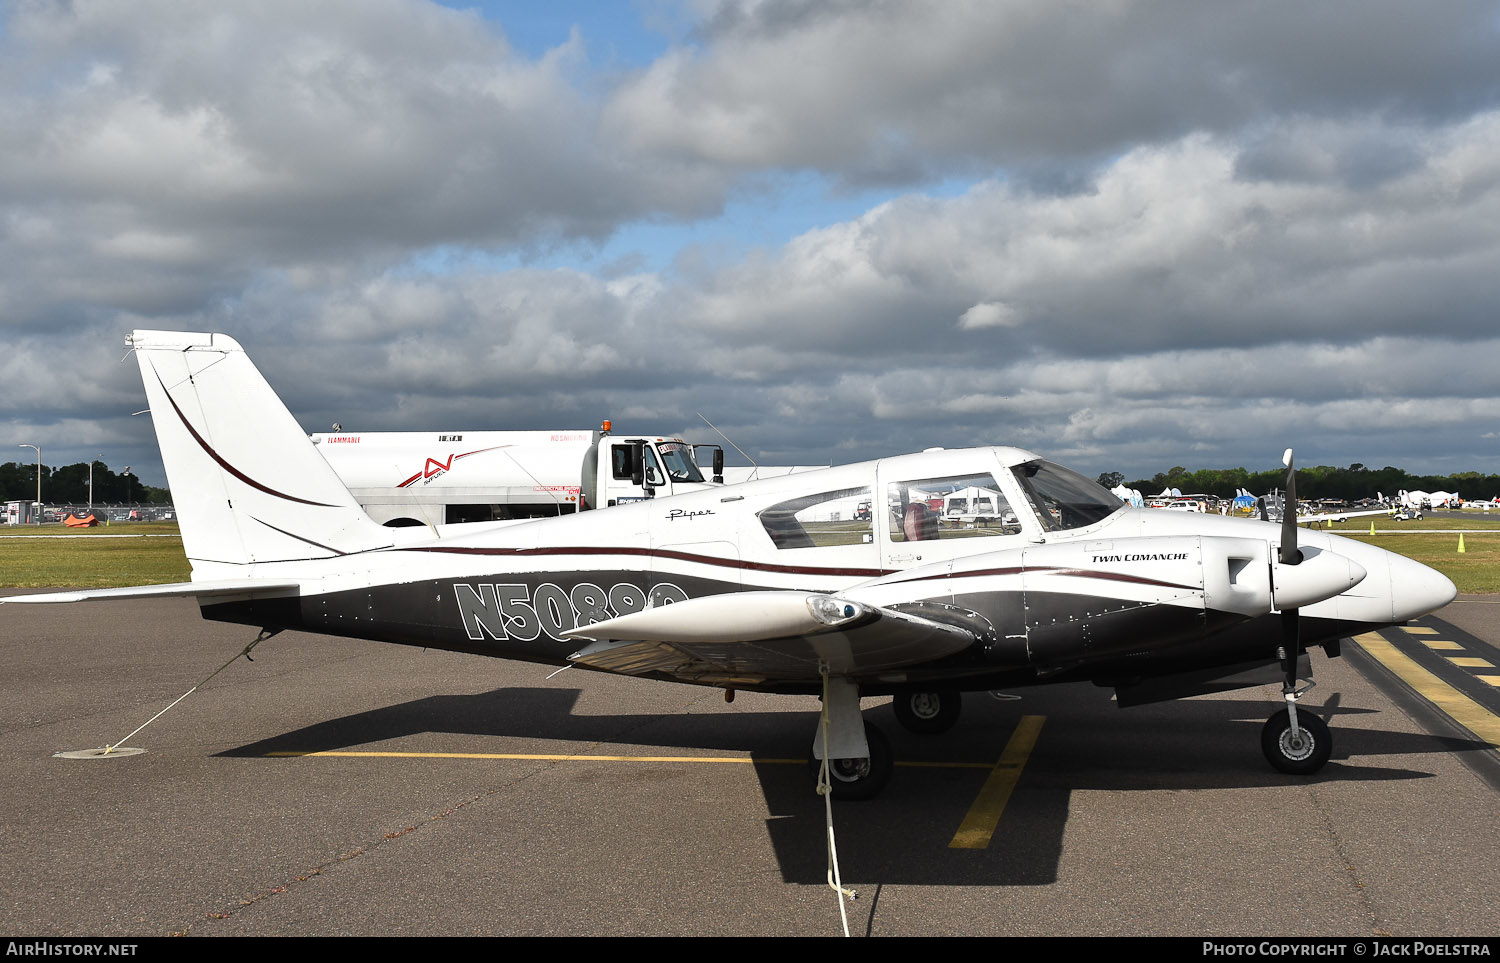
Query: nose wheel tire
855,779
928,713
1301,753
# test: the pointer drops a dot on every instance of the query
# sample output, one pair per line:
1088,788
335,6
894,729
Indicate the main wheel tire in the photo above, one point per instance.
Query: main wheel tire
856,779
928,713
1302,754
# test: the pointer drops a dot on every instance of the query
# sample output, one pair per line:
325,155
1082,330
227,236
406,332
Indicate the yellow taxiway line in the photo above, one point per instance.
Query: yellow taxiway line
1459,707
579,757
982,818
528,756
975,832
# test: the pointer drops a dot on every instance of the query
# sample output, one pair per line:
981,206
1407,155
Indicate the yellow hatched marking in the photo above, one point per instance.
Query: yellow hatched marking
1459,707
1419,630
1470,662
982,818
1441,644
1493,680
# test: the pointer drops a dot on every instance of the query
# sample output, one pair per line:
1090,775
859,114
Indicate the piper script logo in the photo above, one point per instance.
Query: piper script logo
511,610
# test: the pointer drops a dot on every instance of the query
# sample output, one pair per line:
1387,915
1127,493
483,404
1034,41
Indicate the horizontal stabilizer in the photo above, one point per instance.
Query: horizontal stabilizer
749,637
230,586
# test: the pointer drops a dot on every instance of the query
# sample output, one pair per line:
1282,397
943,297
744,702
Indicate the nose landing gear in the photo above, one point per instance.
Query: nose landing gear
1299,751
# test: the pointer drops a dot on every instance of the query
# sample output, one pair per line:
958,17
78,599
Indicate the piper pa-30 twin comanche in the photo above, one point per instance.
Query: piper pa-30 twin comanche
789,584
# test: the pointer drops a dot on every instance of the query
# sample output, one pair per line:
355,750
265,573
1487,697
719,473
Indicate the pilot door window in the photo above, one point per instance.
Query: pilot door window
956,506
822,520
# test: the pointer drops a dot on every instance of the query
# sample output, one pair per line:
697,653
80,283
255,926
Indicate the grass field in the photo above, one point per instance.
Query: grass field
118,528
1476,570
1433,541
1442,523
55,556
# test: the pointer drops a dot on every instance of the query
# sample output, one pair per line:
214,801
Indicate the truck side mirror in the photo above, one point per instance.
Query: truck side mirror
718,466
637,465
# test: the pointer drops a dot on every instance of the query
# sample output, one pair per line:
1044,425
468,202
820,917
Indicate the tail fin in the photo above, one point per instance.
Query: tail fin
246,481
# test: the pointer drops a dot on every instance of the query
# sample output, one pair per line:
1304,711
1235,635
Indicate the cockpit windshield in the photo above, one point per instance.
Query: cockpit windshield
678,458
1063,499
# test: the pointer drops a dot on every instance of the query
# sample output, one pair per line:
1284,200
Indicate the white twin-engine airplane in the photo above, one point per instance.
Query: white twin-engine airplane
789,584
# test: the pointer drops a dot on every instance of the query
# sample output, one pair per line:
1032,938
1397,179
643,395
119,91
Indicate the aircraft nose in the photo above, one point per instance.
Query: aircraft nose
1417,589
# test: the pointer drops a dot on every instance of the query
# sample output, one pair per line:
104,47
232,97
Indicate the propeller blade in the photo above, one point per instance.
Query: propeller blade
1289,553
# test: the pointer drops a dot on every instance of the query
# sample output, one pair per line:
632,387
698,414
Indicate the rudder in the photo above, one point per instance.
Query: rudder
247,483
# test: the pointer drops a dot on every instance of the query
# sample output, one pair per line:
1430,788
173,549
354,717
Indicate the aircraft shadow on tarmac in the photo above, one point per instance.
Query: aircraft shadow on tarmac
903,835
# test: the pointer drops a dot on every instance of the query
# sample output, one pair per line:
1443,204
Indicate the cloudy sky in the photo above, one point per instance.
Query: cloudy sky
1128,234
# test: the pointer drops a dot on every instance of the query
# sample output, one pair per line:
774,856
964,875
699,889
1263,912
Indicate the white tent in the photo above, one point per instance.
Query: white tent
975,501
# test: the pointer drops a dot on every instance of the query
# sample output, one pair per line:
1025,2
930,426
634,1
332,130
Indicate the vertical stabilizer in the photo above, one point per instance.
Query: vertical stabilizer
247,483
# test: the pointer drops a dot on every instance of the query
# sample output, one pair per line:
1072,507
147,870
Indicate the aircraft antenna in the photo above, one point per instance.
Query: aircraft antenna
550,493
731,444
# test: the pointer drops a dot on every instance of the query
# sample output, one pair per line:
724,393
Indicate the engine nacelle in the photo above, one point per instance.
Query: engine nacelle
1082,601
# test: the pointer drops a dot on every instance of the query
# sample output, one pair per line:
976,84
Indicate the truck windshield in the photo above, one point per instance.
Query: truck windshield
678,459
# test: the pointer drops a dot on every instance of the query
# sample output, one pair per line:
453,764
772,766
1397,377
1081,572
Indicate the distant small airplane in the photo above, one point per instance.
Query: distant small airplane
842,582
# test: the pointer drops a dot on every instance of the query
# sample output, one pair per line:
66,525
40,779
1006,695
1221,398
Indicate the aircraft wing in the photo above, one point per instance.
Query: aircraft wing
752,637
232,586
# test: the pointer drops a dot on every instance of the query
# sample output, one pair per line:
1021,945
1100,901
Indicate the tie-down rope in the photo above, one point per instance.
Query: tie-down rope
264,634
825,789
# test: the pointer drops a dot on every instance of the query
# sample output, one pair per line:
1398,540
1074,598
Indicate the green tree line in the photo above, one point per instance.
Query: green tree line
1319,481
69,485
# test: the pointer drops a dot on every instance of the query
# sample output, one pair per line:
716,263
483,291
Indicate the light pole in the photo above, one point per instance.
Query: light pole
38,516
91,482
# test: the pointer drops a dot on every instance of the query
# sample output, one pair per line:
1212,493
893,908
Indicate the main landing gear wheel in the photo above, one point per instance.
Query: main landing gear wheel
1301,753
852,779
928,713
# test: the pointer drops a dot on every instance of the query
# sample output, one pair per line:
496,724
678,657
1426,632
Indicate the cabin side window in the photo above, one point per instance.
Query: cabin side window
956,506
826,519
